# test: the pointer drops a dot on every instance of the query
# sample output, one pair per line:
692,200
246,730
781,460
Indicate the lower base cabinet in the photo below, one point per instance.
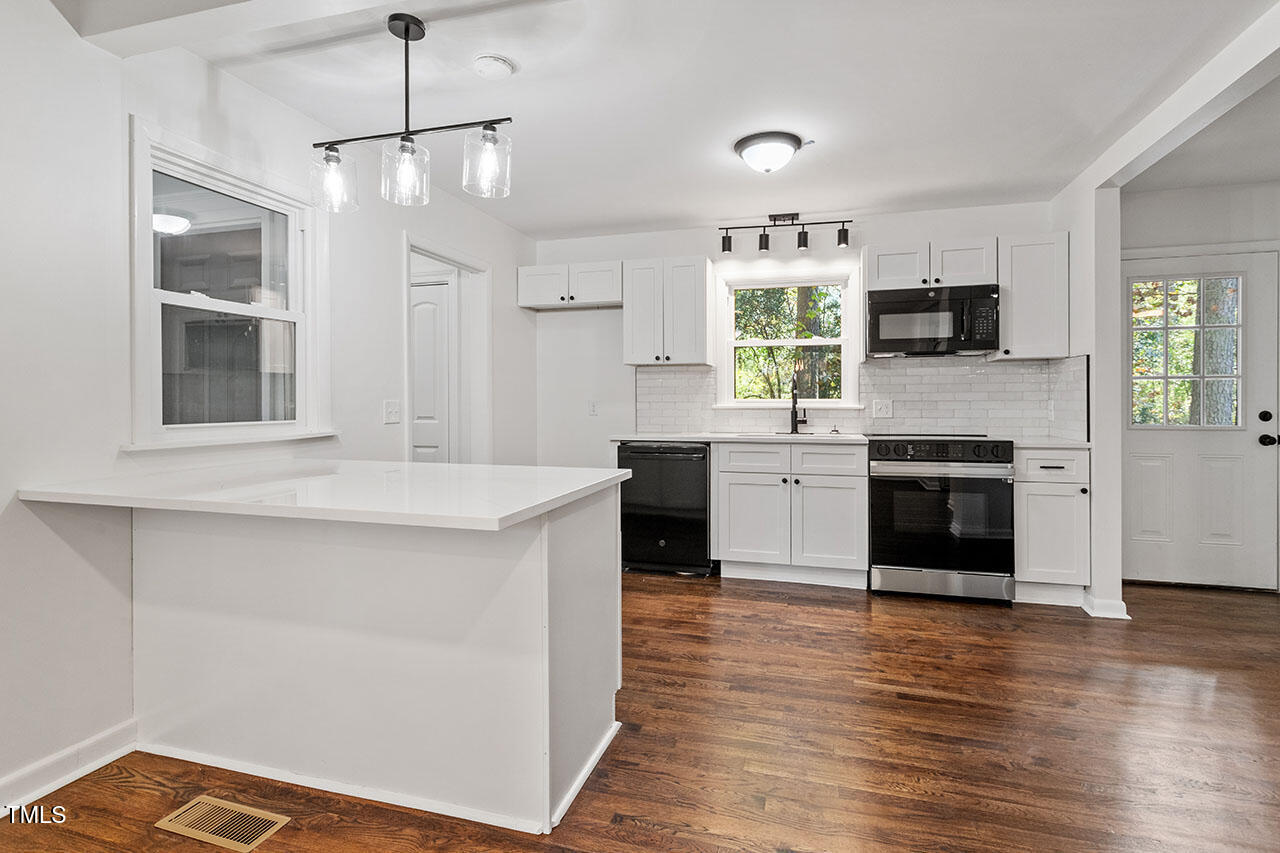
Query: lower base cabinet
805,520
1051,533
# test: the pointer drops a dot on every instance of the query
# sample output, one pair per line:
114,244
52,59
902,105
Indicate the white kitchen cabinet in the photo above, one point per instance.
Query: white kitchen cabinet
595,285
886,267
588,285
945,262
953,263
545,286
829,521
666,311
1034,276
755,517
1051,533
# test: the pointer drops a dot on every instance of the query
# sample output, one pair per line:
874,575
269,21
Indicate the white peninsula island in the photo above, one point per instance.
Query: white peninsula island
445,637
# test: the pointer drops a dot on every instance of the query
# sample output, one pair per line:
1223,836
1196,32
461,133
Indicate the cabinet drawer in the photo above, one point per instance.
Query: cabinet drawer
1051,466
828,459
755,458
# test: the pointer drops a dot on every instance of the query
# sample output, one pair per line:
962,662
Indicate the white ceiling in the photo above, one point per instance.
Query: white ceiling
1241,147
626,110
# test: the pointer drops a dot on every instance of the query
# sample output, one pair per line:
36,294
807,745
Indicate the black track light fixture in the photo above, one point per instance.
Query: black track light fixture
842,236
802,240
726,242
784,220
764,240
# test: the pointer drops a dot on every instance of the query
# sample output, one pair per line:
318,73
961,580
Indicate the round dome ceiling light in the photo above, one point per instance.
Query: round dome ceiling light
768,151
169,224
490,66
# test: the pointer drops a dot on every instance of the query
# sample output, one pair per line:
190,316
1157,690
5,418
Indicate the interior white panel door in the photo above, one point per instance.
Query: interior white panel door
1200,502
829,521
755,518
1034,298
890,267
1051,533
429,312
684,311
958,262
642,311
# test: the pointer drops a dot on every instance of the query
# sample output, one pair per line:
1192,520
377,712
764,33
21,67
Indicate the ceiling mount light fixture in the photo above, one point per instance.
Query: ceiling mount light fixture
170,224
768,151
490,66
406,165
784,220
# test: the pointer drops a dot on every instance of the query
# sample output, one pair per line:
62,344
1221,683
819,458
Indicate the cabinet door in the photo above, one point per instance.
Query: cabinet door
684,311
544,286
888,267
1034,298
754,517
829,522
958,262
595,284
1051,533
642,311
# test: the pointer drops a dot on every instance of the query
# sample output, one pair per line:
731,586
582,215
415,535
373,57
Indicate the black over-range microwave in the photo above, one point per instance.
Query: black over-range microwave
933,320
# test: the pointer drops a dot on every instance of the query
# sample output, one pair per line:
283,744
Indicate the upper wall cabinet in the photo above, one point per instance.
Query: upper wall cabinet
666,311
1034,277
940,262
591,285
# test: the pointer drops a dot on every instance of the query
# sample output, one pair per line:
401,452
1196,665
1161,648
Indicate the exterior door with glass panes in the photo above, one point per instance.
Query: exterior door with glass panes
1200,475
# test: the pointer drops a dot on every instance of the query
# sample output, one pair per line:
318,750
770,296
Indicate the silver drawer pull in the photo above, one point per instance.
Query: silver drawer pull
1053,467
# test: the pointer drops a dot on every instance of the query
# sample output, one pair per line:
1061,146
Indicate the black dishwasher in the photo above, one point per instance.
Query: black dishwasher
666,523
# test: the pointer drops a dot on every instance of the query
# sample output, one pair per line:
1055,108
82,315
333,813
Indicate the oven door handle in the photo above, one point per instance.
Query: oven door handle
957,470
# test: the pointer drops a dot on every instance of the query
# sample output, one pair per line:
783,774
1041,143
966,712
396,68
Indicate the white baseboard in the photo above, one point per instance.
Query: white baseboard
1105,608
48,774
848,578
534,827
1063,595
584,773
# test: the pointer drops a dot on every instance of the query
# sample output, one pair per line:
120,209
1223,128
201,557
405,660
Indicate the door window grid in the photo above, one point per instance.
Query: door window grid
1185,336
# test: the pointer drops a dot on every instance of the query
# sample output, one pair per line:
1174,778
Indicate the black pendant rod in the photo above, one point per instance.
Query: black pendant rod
422,131
406,87
783,225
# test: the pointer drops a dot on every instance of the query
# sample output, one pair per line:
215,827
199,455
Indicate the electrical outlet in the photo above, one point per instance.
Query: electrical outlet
593,408
882,409
391,411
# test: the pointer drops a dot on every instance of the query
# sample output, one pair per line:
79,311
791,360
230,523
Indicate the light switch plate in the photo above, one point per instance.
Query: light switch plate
593,408
391,411
882,409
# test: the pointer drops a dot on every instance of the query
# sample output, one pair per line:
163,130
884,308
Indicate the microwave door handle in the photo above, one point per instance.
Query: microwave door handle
964,320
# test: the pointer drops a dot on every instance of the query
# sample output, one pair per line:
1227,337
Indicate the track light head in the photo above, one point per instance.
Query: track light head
726,242
764,240
842,236
802,240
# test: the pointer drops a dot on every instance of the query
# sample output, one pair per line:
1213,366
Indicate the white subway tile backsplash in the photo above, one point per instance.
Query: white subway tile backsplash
1033,399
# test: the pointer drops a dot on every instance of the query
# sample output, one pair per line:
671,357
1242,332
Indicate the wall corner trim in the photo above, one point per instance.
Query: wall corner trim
1105,608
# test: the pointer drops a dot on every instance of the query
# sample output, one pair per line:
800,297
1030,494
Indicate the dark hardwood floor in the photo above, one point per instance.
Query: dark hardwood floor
758,717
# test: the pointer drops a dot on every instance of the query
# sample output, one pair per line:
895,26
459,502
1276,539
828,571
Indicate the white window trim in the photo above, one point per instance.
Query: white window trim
852,341
155,148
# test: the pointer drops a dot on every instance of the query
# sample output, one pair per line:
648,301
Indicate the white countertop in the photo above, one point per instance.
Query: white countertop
467,497
1038,443
753,437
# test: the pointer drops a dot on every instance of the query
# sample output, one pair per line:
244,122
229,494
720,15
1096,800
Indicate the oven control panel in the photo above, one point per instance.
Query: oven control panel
940,449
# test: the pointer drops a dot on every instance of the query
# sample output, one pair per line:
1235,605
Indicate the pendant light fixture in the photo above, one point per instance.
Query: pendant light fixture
406,164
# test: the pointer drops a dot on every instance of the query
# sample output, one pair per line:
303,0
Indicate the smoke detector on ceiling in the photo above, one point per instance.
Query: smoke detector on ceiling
490,66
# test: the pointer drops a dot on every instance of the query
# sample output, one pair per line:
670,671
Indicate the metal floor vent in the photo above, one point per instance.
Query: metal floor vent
225,824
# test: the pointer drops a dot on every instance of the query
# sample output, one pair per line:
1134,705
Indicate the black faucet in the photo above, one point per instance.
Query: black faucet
796,417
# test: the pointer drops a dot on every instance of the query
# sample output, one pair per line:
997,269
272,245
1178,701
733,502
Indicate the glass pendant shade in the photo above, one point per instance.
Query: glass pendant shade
333,182
486,163
406,172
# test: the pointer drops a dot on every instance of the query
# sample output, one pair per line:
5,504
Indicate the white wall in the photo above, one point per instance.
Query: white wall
65,614
1200,215
567,436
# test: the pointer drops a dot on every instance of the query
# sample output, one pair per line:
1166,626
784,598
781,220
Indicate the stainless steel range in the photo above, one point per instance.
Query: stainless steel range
942,516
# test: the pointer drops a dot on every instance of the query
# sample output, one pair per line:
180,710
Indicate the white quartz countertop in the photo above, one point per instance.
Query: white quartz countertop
422,494
753,437
1038,443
